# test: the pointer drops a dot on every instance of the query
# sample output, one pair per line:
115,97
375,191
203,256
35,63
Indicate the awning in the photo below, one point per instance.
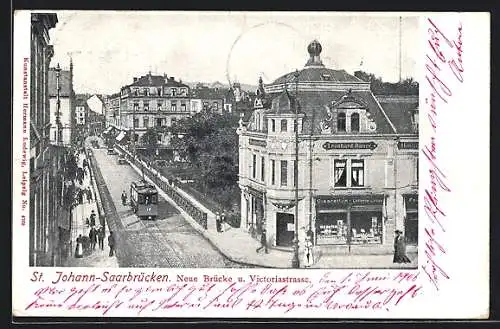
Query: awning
120,136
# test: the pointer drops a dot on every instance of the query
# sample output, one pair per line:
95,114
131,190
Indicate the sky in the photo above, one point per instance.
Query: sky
110,48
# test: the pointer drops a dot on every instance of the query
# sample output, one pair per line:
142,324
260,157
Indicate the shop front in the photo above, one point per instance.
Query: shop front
255,211
411,218
349,219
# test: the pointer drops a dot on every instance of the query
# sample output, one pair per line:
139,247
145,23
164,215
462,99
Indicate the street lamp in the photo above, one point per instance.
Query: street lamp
295,260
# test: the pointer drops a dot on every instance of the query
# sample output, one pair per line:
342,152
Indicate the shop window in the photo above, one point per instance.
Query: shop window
366,227
283,125
340,173
273,172
273,125
355,122
357,173
284,173
262,169
254,165
341,122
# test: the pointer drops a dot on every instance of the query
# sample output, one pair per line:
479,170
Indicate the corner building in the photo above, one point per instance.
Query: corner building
357,168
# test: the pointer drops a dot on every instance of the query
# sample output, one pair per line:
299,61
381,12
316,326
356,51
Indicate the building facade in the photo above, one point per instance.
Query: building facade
62,105
150,101
49,218
357,168
204,98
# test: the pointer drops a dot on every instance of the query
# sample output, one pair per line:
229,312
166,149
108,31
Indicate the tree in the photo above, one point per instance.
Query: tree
150,140
208,141
405,87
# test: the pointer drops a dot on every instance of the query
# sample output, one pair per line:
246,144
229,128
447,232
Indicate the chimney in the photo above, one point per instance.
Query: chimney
172,78
135,79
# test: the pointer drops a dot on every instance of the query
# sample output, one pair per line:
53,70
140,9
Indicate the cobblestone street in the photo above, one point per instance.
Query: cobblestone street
169,241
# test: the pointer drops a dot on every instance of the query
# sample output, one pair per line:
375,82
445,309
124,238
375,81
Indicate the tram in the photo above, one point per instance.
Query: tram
144,199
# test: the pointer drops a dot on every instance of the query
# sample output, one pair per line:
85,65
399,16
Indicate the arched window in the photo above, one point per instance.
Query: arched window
341,122
355,122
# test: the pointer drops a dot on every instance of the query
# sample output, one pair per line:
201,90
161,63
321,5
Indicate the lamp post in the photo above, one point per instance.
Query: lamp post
295,260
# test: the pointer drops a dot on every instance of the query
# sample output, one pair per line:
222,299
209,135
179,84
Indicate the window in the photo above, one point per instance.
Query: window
173,106
159,138
273,125
183,107
295,170
159,106
357,173
341,122
158,122
136,123
254,165
173,91
159,91
136,106
146,122
136,92
273,172
284,172
283,125
146,91
146,106
216,105
340,175
355,122
262,169
414,120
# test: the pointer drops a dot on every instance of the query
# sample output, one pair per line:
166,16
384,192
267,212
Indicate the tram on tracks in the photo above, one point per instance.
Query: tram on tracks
144,199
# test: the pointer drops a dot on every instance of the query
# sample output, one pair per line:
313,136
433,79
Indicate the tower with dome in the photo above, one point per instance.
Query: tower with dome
357,169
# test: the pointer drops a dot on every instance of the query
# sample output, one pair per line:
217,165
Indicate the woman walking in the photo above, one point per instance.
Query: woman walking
400,249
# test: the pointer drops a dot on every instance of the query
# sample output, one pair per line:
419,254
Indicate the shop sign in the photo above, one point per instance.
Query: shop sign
350,146
349,200
407,145
257,142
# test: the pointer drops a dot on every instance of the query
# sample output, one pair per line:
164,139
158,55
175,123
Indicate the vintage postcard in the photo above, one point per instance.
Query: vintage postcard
251,164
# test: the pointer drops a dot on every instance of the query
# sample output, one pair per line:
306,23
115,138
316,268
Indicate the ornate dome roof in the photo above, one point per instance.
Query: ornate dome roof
314,70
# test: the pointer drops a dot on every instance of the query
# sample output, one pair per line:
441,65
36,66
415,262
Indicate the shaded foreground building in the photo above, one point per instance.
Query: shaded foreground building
49,206
357,161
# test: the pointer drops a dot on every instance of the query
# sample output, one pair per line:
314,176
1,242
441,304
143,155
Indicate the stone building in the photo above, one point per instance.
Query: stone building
357,161
149,101
48,216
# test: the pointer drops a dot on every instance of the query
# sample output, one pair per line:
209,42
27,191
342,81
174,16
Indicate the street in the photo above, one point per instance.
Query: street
168,241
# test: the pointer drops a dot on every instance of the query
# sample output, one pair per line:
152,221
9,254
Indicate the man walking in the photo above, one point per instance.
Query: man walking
111,244
92,218
100,237
263,242
93,237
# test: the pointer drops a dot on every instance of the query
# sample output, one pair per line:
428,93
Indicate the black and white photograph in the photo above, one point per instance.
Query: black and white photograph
223,140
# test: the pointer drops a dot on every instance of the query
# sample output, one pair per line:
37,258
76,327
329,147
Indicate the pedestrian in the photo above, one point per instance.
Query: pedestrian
263,242
400,249
308,252
93,238
100,237
217,221
89,194
92,218
222,221
79,247
111,244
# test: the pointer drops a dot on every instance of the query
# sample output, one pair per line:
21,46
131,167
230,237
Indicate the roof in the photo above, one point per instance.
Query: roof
315,105
399,110
150,80
64,83
315,73
207,93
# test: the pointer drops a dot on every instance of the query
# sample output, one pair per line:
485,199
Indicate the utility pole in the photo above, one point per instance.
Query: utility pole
400,48
295,260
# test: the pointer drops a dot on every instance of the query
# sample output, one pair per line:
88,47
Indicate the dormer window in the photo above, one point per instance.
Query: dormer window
341,122
173,92
326,77
355,122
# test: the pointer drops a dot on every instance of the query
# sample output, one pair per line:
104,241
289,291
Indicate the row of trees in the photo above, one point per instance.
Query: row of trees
209,144
407,86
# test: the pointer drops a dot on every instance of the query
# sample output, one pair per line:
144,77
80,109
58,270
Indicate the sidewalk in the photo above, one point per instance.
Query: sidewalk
238,246
97,257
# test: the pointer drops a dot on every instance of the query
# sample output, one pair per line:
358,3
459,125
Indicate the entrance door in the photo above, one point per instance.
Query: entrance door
284,229
411,228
